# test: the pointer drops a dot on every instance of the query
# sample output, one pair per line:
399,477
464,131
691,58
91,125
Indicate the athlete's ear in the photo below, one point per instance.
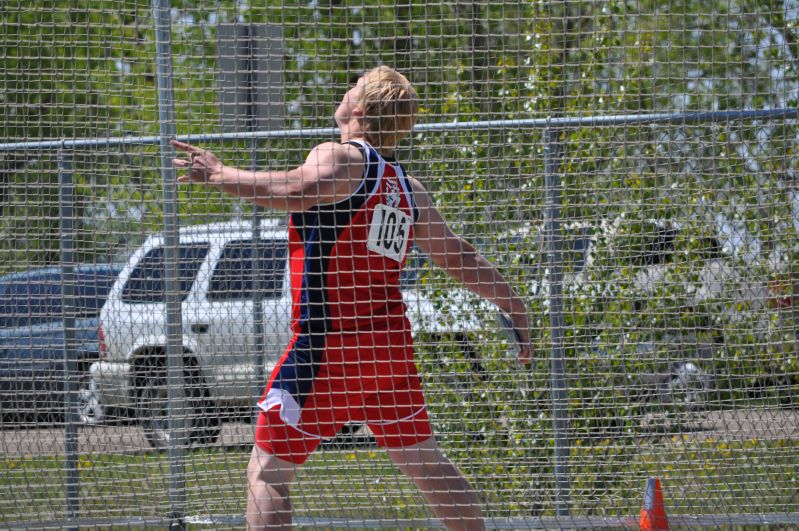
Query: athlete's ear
357,111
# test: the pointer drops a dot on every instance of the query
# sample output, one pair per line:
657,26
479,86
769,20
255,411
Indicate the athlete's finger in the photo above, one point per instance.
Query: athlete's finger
180,145
188,148
181,163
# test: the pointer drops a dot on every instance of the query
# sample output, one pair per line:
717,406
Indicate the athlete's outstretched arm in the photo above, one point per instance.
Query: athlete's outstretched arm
331,172
464,263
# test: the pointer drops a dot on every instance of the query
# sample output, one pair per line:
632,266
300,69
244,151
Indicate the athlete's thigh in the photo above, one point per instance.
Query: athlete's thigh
269,468
420,455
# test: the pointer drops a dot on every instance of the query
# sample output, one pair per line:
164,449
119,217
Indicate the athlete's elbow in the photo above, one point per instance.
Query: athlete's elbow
452,263
467,259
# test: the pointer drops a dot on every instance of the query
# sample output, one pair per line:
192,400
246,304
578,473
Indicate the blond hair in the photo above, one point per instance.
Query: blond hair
389,104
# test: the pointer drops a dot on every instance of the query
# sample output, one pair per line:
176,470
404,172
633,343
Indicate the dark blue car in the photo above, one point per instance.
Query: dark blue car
32,367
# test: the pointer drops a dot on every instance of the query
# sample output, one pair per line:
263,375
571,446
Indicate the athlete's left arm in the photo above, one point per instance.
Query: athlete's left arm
464,263
330,173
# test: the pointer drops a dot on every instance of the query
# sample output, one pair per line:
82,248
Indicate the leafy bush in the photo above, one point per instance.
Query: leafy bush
492,418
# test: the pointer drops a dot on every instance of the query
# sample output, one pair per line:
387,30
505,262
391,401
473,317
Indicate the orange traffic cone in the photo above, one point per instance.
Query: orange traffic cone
653,513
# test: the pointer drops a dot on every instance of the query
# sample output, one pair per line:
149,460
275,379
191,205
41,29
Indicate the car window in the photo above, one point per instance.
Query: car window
146,283
30,301
37,297
6,308
234,275
91,291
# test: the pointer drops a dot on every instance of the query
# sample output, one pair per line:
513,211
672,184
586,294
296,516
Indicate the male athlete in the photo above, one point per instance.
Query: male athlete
354,214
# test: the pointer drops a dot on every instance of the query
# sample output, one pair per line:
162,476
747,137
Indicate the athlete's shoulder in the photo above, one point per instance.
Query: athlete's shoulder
343,161
337,151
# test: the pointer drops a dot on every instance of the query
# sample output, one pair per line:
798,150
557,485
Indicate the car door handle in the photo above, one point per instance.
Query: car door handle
199,328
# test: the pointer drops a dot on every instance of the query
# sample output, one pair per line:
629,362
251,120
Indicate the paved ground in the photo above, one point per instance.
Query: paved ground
762,424
739,425
100,439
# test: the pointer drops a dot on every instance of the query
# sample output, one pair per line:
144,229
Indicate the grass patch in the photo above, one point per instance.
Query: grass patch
332,484
699,477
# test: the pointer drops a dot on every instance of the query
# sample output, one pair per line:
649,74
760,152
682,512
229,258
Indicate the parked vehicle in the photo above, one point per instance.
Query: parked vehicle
637,261
225,361
32,340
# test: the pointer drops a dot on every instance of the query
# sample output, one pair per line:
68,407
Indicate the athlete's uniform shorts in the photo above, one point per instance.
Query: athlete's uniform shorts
361,377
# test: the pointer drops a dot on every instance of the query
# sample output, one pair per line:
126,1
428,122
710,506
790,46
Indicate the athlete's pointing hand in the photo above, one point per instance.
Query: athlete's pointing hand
202,165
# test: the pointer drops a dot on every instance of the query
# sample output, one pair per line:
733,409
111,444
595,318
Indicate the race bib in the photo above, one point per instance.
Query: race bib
389,232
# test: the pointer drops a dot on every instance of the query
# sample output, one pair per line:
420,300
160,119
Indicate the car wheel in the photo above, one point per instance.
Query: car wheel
90,410
204,419
152,408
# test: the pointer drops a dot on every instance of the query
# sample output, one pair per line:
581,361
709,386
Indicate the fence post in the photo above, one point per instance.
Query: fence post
174,325
257,254
65,211
552,154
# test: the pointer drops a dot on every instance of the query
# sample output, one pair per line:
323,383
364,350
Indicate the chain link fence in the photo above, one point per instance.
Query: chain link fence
629,167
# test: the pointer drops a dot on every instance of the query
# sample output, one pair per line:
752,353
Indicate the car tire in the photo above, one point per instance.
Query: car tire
152,402
90,411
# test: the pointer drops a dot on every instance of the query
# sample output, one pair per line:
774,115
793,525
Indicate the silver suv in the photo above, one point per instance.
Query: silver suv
228,349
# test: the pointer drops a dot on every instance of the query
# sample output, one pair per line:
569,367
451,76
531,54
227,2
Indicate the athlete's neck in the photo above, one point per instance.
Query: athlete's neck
389,153
383,152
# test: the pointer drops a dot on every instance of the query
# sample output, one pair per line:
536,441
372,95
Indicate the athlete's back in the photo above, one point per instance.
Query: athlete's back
347,257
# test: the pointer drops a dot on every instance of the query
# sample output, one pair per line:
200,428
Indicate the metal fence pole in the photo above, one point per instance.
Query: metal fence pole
573,122
258,251
174,326
65,203
552,153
